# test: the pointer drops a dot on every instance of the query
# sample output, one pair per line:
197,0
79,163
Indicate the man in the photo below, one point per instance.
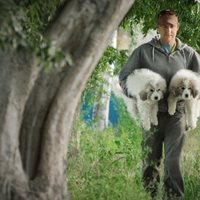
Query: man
164,55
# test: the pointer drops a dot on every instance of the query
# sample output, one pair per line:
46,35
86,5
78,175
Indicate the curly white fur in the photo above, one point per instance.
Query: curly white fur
185,85
148,88
129,102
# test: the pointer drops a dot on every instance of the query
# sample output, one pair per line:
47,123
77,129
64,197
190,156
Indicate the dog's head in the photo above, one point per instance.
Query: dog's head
153,91
185,89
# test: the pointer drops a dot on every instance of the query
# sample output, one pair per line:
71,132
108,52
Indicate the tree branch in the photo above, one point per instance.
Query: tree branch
77,19
89,45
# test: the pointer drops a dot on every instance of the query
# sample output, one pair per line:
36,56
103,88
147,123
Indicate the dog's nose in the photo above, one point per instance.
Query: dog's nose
186,95
156,97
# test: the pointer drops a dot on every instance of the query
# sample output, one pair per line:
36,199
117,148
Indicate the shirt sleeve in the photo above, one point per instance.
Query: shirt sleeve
195,62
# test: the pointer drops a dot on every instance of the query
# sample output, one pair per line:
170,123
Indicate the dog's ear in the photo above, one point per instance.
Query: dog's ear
143,95
194,92
174,91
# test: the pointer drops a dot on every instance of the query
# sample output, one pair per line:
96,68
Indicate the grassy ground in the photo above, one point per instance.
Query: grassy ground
108,166
191,165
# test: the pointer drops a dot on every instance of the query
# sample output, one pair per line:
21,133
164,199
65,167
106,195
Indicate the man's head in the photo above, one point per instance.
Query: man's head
167,25
167,17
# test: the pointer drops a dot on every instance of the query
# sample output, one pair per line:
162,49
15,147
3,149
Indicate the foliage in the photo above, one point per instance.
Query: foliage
12,18
111,56
25,19
191,164
23,24
108,165
38,15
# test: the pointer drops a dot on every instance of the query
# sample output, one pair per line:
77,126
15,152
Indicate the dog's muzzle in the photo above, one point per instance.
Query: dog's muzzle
156,98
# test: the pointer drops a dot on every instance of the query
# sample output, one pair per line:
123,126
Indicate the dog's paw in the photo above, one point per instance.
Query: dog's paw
190,126
155,122
193,126
146,126
171,111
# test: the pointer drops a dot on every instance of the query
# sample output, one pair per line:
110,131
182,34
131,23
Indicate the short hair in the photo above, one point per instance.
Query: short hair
165,16
166,12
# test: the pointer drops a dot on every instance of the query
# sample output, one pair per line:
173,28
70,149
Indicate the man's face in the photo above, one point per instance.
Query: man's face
168,31
168,26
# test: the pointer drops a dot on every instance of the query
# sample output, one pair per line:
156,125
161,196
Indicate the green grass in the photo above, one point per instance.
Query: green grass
191,165
107,166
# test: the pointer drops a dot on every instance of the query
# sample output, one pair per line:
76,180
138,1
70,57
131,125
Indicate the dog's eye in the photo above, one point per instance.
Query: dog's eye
151,90
158,90
183,88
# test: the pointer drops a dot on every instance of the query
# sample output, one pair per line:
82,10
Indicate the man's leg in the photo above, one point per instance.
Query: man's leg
152,153
173,142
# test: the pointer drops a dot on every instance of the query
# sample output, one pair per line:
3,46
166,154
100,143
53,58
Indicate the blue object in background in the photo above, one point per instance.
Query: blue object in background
113,110
87,110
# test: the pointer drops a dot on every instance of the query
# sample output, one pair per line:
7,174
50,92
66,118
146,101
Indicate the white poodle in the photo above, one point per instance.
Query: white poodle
147,87
185,86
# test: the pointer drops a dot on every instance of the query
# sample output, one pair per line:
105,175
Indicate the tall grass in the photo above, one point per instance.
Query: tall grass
108,165
191,165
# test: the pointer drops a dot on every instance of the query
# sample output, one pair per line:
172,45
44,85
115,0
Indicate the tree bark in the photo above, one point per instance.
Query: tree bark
37,107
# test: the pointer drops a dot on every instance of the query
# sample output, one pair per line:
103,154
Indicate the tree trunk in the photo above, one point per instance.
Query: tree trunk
37,107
